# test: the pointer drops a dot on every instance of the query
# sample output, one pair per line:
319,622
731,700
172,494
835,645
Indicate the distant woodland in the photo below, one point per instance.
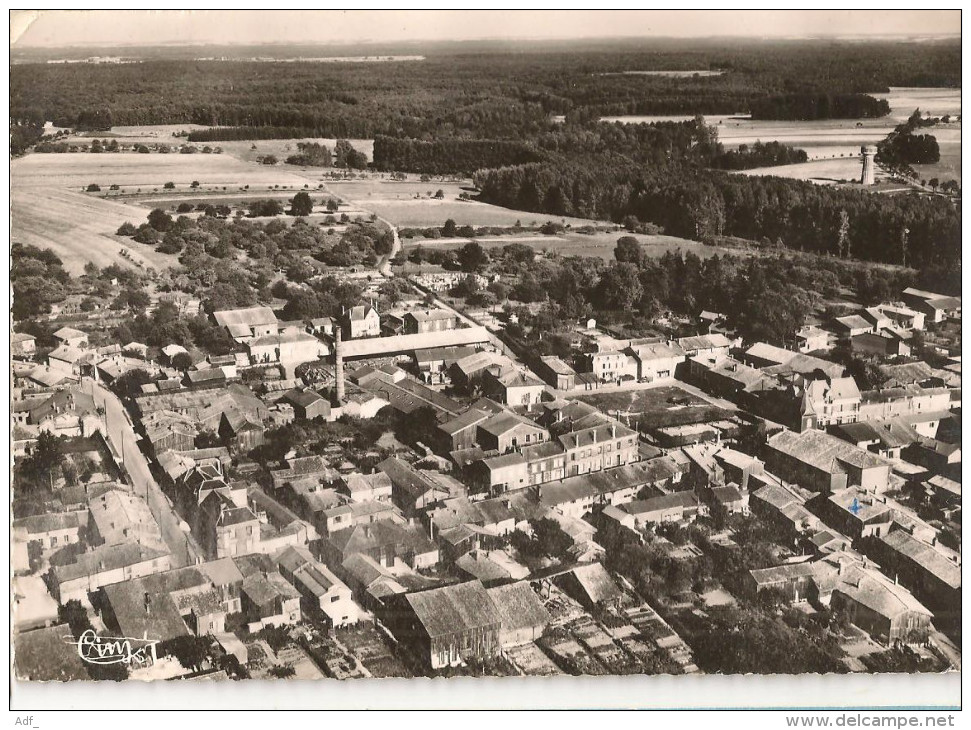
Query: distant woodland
526,125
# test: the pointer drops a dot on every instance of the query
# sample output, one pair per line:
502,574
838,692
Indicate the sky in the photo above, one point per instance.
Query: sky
46,28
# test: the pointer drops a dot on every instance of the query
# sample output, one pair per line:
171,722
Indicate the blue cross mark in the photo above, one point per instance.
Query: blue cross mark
855,507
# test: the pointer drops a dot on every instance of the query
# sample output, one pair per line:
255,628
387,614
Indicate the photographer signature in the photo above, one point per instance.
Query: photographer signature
96,649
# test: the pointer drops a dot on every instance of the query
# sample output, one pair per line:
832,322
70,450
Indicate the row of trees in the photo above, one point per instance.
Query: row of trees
760,154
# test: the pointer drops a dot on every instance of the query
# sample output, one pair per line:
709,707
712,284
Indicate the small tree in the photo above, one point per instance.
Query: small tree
182,361
301,204
160,220
449,229
126,229
169,186
93,188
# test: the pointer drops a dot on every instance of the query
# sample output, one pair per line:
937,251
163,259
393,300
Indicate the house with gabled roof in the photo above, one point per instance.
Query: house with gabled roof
449,625
507,430
71,337
361,321
247,323
323,592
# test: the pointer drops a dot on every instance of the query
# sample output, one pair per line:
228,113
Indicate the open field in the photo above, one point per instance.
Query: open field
429,212
48,209
833,138
78,228
241,149
570,243
657,407
146,171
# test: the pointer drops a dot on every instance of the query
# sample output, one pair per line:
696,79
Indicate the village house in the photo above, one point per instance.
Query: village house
522,616
852,325
935,307
886,438
904,317
242,429
68,359
460,432
674,507
375,487
591,585
796,581
389,544
904,400
712,344
494,475
659,361
857,514
269,600
52,531
67,412
467,373
361,321
513,388
610,365
22,345
70,337
429,320
931,575
824,463
446,626
783,506
323,592
599,447
505,431
545,462
812,339
247,324
883,609
307,404
433,363
118,516
413,490
103,566
556,373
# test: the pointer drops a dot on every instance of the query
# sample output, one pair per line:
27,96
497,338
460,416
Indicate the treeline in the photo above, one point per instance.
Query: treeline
449,156
234,134
488,95
808,107
760,154
703,205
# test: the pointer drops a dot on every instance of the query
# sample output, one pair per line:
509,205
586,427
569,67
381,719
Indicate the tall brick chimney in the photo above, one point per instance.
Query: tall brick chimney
338,368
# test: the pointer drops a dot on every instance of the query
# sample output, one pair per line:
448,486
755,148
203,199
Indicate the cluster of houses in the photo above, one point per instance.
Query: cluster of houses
418,540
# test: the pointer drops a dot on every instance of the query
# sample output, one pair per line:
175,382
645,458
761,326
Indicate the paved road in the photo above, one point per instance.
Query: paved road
122,437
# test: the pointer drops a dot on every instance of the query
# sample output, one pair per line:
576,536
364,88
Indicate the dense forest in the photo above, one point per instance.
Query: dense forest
449,156
457,93
819,106
664,179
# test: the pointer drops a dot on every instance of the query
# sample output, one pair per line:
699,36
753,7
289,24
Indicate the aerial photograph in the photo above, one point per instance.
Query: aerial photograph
373,344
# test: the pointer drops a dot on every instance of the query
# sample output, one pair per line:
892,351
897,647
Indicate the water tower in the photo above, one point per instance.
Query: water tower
868,152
